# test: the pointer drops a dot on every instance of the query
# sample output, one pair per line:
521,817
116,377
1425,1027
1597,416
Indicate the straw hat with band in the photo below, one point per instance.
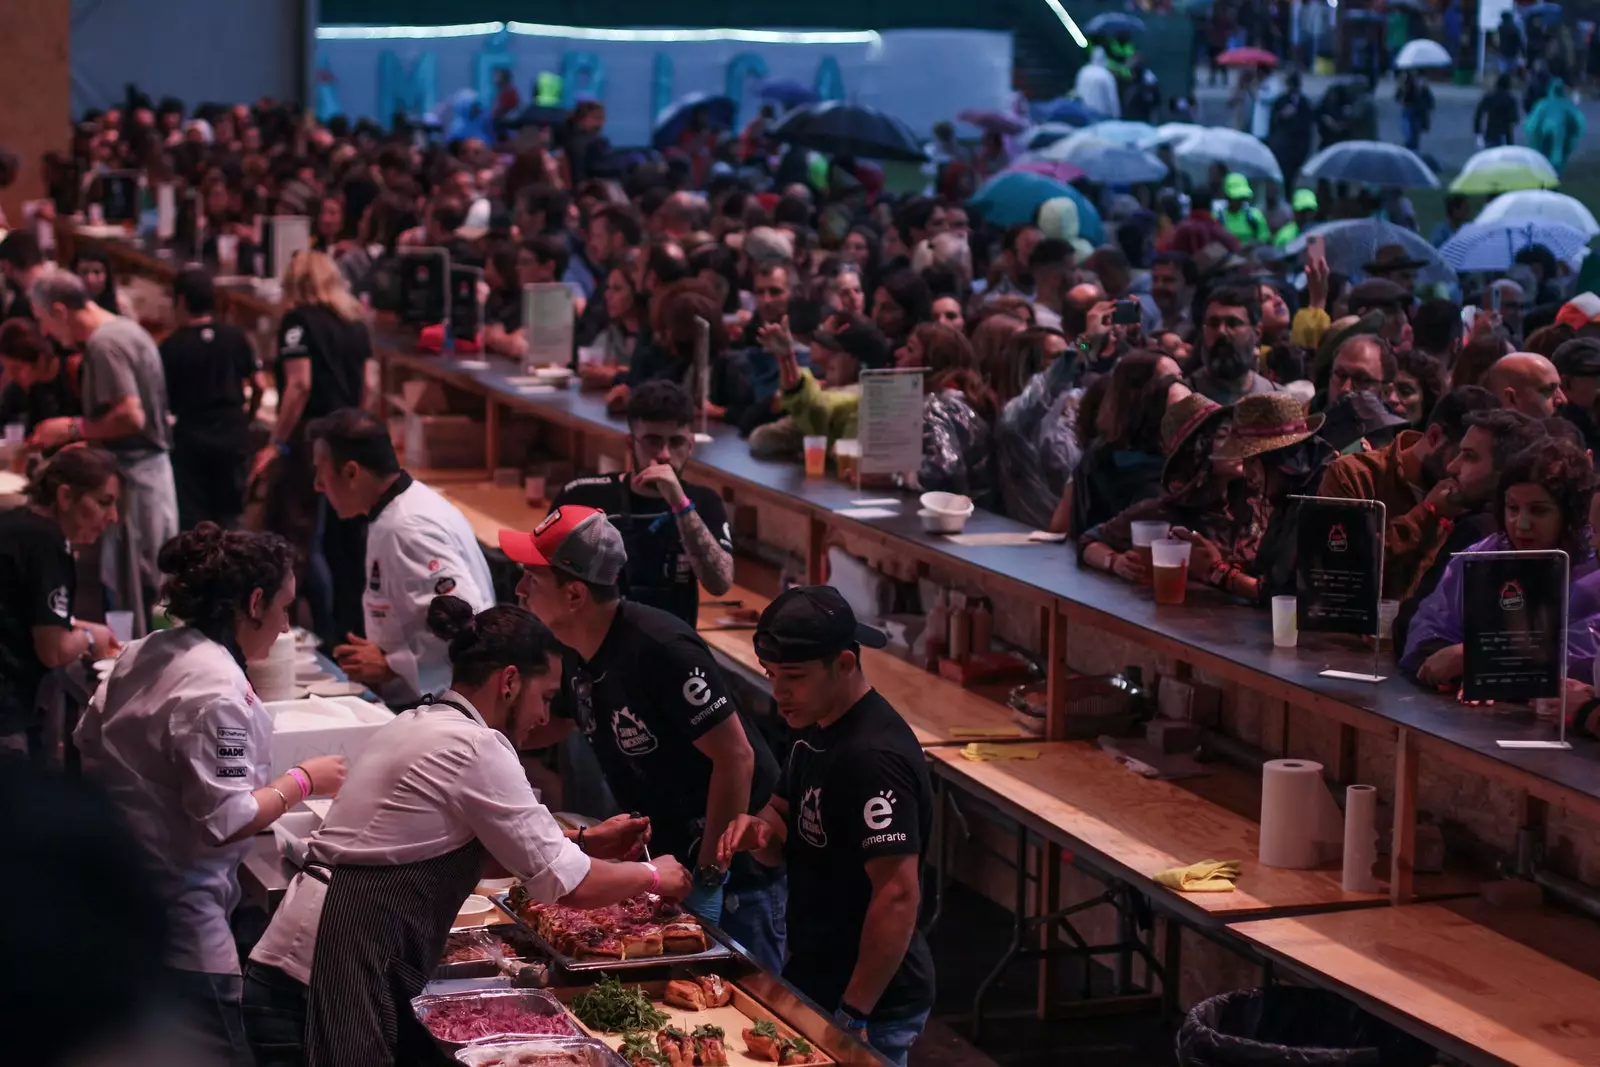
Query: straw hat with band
1193,414
1265,423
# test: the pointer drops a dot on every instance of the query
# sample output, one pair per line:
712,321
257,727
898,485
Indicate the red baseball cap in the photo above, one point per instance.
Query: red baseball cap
580,541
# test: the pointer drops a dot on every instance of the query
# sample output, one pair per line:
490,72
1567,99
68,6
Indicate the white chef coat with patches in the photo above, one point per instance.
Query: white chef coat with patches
179,740
427,784
419,547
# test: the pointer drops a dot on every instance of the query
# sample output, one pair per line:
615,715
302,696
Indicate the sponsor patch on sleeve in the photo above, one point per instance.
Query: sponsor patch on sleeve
444,585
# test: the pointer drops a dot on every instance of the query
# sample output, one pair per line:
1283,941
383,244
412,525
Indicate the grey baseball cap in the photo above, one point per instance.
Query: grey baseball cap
580,541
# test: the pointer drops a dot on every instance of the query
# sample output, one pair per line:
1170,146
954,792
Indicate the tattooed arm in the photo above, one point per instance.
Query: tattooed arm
712,564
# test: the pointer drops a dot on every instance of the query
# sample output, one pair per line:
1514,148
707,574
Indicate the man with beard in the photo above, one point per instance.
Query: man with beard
1578,360
1173,277
1409,477
1230,331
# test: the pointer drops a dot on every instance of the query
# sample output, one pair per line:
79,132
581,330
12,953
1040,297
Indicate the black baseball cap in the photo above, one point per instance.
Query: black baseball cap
811,622
1578,358
861,339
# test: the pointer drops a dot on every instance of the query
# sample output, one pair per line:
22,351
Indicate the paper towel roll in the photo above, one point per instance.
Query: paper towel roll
1300,826
1360,838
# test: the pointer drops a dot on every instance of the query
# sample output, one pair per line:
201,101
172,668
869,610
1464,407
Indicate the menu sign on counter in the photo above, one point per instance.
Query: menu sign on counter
548,319
287,237
466,310
1339,565
424,286
1513,625
890,424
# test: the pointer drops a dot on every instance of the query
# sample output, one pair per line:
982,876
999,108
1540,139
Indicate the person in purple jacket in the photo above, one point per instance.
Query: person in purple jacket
1544,501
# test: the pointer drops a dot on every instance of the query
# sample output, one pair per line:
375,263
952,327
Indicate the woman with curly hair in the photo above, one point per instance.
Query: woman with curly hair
1544,501
183,746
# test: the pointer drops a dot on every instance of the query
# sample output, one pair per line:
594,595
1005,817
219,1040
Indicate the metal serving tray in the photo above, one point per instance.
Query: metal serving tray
593,1053
535,1001
529,952
718,950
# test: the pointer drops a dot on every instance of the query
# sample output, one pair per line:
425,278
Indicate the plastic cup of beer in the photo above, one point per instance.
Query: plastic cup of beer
1285,621
1169,570
816,450
846,458
1146,534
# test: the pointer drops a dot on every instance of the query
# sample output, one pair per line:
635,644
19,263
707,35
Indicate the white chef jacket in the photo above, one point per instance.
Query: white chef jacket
426,784
179,740
418,547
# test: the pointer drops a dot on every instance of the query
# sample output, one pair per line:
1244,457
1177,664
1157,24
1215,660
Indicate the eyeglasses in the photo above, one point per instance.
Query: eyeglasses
1356,379
678,442
772,292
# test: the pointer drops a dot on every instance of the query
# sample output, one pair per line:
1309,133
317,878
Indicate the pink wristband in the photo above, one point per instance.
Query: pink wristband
302,779
655,878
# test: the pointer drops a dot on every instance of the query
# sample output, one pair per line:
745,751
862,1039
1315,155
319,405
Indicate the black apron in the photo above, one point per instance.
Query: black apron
381,932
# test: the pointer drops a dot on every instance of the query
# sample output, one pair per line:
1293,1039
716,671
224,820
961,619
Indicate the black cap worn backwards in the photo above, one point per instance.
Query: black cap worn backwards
811,622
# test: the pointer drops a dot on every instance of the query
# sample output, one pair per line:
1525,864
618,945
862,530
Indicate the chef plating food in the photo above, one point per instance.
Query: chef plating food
437,794
182,745
418,547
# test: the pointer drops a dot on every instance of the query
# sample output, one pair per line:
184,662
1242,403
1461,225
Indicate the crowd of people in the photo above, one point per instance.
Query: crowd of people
1175,372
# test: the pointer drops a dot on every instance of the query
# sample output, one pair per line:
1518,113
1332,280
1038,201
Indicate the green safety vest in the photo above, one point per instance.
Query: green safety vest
1285,234
1249,225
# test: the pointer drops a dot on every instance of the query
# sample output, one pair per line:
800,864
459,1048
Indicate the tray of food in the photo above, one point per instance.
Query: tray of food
458,1019
476,951
640,932
540,1052
704,1021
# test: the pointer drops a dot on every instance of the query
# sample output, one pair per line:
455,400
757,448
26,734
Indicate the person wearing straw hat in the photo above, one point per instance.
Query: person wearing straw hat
1239,216
1392,263
1270,436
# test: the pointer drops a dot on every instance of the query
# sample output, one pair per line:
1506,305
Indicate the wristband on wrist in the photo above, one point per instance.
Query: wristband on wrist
302,779
286,804
88,633
281,447
579,841
77,428
688,506
655,877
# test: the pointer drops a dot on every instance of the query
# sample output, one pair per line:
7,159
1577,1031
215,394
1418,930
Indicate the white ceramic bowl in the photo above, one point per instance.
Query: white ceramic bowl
947,503
475,905
942,522
553,375
490,886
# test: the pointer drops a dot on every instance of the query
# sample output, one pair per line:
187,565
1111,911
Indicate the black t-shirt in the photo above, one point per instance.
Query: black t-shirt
652,690
206,369
658,571
40,401
37,582
338,350
856,791
504,307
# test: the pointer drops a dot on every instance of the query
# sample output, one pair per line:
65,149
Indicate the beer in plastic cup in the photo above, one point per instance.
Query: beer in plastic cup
1169,570
816,456
1285,621
1144,535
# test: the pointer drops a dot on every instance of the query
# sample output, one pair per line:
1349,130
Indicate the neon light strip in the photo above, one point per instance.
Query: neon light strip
590,33
1066,20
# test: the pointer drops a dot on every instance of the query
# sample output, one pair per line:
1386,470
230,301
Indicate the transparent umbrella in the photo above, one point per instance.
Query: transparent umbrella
1353,243
1540,205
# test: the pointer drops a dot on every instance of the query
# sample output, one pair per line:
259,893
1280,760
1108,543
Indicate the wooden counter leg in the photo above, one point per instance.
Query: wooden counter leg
817,554
1055,718
1403,846
491,436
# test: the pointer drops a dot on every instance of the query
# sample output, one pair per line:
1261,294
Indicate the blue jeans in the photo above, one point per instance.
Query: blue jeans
211,1015
1411,130
757,918
894,1037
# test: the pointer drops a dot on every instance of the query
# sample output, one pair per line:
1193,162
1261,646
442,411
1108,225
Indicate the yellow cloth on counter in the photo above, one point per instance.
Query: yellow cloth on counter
986,731
1207,876
981,753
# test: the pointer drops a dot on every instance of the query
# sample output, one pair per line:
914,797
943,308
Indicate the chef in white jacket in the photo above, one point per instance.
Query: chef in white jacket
182,745
418,547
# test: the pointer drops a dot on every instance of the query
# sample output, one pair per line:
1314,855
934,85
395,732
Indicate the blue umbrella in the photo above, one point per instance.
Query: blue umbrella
1351,244
1113,22
787,94
715,111
1542,11
1015,196
1375,163
1067,110
1480,246
841,129
1105,163
1045,134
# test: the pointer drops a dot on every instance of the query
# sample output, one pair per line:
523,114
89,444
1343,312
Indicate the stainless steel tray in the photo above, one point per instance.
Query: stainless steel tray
535,1001
593,1053
718,950
487,968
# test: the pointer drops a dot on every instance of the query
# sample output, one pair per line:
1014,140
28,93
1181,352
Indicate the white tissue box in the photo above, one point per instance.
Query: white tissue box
322,726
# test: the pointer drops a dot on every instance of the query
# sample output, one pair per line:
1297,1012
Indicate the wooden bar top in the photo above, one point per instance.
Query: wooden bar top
1462,986
1143,826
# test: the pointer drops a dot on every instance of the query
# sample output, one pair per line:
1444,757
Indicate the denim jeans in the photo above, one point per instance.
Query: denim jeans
274,1014
894,1037
757,918
211,1018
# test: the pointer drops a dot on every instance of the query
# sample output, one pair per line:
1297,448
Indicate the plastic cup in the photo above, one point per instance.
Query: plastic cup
1285,621
847,458
16,433
1144,535
1169,570
1387,610
120,623
816,450
227,253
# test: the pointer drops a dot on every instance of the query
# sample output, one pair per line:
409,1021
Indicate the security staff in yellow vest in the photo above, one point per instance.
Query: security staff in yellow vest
1305,216
1240,217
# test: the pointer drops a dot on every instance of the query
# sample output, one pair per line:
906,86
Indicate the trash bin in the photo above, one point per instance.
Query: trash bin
1290,1025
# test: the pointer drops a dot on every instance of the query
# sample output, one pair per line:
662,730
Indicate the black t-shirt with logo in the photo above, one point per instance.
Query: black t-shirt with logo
857,790
658,571
37,582
338,350
652,690
207,367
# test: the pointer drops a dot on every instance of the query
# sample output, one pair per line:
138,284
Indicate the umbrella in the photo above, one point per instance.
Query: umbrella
787,94
1234,149
1369,163
1493,246
1423,54
1542,11
1061,172
538,115
1174,133
1353,243
1113,22
1015,196
1066,109
844,129
1046,133
1502,178
1118,131
1106,163
1509,155
1247,57
1537,205
991,121
1360,15
716,111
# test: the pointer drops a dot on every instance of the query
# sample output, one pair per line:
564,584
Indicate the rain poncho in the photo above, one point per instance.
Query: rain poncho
1036,447
956,455
1437,623
1555,125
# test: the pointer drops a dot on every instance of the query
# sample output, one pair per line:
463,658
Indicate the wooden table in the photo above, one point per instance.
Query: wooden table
1453,983
490,508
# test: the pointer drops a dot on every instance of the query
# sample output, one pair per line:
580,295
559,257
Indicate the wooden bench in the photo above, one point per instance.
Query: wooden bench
1452,982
